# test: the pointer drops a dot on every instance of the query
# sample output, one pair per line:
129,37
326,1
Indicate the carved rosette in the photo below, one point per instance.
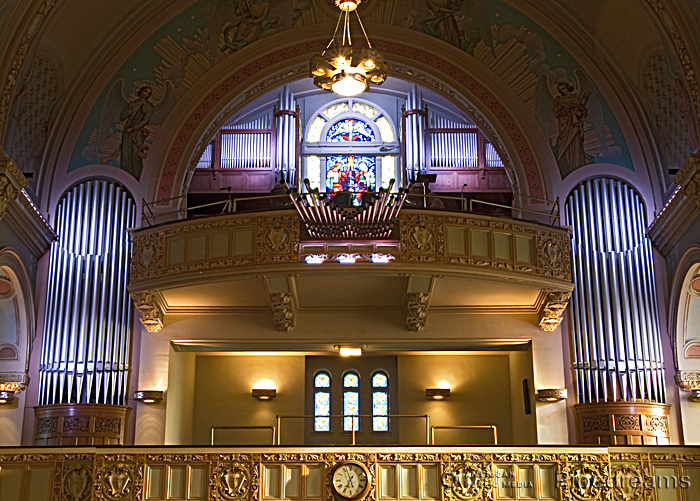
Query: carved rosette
149,310
553,309
233,481
278,239
688,380
11,183
283,311
417,310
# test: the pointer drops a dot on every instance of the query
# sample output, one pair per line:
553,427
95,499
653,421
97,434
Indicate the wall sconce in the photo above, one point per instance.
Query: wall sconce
349,351
149,396
7,397
695,396
437,393
551,395
264,394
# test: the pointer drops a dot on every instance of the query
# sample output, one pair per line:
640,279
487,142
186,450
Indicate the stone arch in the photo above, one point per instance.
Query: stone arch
680,300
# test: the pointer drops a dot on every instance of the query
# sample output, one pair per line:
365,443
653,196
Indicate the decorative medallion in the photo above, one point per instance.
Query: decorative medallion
586,482
628,483
422,238
277,239
148,254
76,484
552,256
466,481
627,423
118,482
233,482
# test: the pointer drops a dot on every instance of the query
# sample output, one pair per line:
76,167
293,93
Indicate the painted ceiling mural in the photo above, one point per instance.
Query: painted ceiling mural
568,107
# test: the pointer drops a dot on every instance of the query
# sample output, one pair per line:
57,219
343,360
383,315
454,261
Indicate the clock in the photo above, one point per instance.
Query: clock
351,480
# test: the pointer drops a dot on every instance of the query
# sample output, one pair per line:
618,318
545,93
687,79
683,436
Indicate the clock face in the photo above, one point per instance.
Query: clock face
350,481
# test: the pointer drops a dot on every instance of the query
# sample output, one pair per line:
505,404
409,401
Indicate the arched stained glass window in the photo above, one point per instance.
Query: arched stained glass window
350,130
380,401
322,401
351,401
356,173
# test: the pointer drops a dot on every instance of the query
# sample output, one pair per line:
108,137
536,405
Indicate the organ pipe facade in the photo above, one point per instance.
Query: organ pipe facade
616,339
414,135
87,327
287,138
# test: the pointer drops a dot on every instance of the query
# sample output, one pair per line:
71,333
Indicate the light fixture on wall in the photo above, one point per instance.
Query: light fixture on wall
349,351
341,69
437,393
552,395
264,393
148,396
7,397
695,396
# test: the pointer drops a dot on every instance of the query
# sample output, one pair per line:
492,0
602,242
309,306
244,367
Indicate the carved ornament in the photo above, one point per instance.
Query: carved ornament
233,482
553,309
149,310
13,382
76,483
417,310
11,183
688,380
468,482
117,482
278,239
283,311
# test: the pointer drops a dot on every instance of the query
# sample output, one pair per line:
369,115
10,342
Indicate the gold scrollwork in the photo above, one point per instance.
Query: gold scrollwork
76,483
627,482
117,482
467,481
233,481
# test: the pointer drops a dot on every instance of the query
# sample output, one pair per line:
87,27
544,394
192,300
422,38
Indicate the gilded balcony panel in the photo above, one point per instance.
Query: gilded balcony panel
426,474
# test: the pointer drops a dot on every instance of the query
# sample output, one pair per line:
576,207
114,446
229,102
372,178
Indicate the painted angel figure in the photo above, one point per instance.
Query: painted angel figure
571,109
135,116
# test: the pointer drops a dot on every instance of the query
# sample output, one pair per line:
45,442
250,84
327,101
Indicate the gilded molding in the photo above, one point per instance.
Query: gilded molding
553,309
12,181
149,310
417,310
283,311
688,380
16,382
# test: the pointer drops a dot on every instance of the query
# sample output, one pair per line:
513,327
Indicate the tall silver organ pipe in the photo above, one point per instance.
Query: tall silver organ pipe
414,134
615,328
247,150
87,327
287,137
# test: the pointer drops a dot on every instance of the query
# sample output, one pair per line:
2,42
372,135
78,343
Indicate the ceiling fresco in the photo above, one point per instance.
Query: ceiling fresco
570,110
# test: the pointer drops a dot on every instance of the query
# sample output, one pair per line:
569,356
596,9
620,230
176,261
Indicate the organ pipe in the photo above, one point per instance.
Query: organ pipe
287,138
87,328
615,323
413,136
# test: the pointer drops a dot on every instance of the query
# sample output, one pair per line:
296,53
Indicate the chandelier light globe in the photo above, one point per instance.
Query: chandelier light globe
342,69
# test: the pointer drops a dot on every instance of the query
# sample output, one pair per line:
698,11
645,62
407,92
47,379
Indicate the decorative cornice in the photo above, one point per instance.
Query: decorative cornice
16,382
12,181
149,310
553,309
688,380
682,209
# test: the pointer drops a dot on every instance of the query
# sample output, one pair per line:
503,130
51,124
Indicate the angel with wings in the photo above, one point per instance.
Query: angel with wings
135,117
572,109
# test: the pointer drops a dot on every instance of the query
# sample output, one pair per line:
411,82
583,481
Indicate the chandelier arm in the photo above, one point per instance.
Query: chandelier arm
335,33
369,44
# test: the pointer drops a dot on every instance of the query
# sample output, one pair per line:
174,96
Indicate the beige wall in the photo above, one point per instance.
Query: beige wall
223,386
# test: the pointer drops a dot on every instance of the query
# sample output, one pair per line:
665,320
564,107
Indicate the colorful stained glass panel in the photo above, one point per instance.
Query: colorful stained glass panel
322,411
351,407
335,110
380,410
353,173
365,109
351,380
314,134
388,170
323,380
379,380
313,171
350,130
385,129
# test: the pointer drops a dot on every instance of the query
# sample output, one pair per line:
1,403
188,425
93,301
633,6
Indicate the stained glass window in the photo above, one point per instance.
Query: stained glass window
353,173
380,402
365,109
322,402
313,170
385,130
351,401
335,110
314,134
350,130
388,170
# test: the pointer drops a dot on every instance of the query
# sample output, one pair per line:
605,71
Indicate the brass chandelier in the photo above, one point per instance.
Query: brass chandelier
342,70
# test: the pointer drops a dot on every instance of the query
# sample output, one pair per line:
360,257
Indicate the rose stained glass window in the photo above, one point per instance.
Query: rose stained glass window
350,130
354,173
351,401
380,402
322,402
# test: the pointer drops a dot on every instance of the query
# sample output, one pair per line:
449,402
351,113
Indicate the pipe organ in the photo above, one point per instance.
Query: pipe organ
413,129
248,146
87,328
288,138
616,340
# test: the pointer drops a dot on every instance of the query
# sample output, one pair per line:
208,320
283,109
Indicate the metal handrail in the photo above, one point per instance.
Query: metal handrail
463,427
549,215
308,416
214,428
